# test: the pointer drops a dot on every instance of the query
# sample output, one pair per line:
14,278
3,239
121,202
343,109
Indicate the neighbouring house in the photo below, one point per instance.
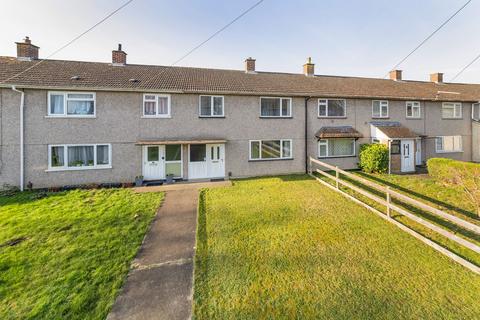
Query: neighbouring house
70,122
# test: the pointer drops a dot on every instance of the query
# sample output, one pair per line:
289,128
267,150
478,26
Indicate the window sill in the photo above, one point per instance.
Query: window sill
452,118
262,160
380,117
77,169
156,117
72,117
413,118
210,117
443,152
275,117
337,157
319,117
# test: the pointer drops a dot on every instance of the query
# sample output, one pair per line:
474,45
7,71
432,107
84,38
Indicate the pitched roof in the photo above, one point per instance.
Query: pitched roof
338,132
57,74
395,130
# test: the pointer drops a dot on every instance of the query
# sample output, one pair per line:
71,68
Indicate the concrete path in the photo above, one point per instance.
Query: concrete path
159,285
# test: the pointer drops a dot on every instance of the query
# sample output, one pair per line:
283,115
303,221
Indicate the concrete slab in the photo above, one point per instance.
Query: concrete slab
185,186
159,285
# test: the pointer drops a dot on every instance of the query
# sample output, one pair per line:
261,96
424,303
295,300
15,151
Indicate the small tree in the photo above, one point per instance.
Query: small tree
373,158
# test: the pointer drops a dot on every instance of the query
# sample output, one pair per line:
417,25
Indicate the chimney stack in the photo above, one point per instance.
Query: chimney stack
26,51
436,77
119,57
309,68
250,65
396,75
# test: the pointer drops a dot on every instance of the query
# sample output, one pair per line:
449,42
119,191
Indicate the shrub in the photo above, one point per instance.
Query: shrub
458,173
373,158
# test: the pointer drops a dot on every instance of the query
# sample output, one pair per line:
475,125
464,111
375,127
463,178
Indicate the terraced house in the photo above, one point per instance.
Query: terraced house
72,123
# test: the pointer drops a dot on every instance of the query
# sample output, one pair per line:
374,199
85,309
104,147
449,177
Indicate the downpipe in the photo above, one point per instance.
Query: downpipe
22,102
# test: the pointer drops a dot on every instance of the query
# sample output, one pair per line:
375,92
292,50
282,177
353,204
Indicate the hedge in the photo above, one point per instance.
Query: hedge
373,158
447,170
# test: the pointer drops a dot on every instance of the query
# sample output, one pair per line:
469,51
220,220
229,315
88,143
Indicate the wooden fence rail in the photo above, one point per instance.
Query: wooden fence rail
387,202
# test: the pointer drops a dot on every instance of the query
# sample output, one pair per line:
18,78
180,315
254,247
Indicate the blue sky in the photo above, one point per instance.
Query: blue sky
359,38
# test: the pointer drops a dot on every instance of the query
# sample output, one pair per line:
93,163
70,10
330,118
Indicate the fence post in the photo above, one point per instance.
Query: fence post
389,199
336,176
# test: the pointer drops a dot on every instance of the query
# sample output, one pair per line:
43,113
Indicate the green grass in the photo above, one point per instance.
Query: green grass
76,251
288,247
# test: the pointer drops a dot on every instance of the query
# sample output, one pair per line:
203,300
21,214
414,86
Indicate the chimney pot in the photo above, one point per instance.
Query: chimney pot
250,65
436,77
119,57
26,50
309,68
396,75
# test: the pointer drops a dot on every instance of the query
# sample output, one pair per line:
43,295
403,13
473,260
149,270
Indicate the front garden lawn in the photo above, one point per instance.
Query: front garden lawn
65,255
288,247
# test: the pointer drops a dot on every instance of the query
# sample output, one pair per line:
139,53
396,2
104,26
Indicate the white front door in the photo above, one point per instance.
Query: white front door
154,162
407,156
418,153
216,160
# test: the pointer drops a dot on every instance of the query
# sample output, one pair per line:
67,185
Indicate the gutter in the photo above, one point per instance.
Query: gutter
306,134
22,102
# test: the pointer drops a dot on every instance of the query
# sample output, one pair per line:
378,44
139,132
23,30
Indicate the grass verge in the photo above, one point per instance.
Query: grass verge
65,255
288,247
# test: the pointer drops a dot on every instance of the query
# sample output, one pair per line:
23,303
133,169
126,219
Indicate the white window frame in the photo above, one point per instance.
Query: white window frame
326,142
449,151
324,102
455,105
383,103
414,105
65,166
269,159
65,107
477,116
156,115
211,107
280,116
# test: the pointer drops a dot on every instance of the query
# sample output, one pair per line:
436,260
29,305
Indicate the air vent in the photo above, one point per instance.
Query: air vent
75,78
134,80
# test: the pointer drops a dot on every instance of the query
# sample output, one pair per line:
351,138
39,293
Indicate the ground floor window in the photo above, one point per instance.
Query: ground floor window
447,144
73,157
270,149
395,147
336,148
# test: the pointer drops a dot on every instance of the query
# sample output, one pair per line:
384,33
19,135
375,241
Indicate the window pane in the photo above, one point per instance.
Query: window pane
448,110
150,108
255,150
341,147
395,147
85,96
217,106
150,97
384,109
102,155
79,107
80,156
270,107
270,149
57,157
57,104
376,109
439,143
173,168
287,149
336,108
322,108
322,148
286,107
458,110
162,105
152,154
476,111
198,152
205,106
173,152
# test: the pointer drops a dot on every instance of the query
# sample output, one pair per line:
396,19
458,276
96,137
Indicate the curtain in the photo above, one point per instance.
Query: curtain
205,106
217,106
163,105
56,104
80,156
270,107
79,107
102,155
149,108
341,147
57,157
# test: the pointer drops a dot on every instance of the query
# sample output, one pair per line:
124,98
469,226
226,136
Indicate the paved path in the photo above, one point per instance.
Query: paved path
160,282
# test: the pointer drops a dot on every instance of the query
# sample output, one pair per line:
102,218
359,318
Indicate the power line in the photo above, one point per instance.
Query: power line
208,39
430,36
465,68
70,42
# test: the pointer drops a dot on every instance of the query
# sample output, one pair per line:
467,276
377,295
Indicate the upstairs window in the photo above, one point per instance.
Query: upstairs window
156,106
275,107
332,108
451,110
413,109
71,104
270,149
476,111
211,106
379,109
446,144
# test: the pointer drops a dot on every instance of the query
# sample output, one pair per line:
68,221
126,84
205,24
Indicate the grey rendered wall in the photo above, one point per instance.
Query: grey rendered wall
119,122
